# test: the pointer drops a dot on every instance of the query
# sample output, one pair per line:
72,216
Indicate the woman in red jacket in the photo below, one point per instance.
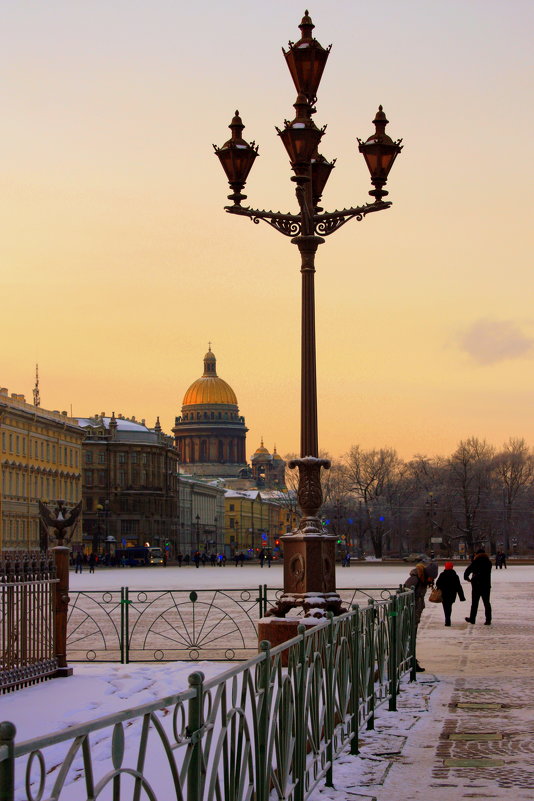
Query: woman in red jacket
449,584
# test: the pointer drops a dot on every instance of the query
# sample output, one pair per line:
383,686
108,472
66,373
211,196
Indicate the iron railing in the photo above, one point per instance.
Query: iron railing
166,625
270,728
27,653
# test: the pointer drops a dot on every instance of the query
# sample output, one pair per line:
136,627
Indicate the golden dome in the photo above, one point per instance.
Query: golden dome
209,389
261,449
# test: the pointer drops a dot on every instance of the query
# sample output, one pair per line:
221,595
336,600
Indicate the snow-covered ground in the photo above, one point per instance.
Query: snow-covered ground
404,758
360,574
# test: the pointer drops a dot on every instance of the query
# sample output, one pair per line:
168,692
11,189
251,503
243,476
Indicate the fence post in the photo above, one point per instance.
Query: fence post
355,680
329,727
61,608
7,763
299,761
413,634
371,616
262,771
393,660
194,725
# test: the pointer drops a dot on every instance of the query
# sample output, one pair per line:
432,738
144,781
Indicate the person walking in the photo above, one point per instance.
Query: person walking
262,557
78,564
449,583
421,577
479,574
92,562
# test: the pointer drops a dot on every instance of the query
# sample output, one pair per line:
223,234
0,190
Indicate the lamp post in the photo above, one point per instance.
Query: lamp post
197,518
430,505
309,553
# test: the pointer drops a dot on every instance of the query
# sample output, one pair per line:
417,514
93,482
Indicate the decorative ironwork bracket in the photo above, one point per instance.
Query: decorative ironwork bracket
291,224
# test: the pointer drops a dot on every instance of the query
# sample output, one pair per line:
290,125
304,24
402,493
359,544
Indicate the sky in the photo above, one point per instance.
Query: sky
118,263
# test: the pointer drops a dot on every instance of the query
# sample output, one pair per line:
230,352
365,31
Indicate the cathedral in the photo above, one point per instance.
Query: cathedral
210,435
268,469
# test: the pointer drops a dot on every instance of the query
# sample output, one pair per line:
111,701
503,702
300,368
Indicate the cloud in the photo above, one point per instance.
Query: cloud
491,341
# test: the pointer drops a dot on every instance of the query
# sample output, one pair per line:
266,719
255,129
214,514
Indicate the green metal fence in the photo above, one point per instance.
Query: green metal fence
270,728
166,625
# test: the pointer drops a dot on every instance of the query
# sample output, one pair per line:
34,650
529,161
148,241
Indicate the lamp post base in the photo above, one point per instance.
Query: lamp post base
309,577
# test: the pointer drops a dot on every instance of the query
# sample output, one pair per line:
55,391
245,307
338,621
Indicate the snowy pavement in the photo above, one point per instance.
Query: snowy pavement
418,752
465,729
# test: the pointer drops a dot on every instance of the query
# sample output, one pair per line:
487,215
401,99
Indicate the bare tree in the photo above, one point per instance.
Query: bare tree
514,472
469,478
371,475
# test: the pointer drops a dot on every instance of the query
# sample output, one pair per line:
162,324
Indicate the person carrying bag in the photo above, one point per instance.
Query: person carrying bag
449,584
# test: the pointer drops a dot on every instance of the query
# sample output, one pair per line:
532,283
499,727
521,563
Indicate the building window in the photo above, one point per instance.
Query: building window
122,458
11,443
232,507
129,527
88,457
47,451
89,478
232,522
133,458
3,440
101,477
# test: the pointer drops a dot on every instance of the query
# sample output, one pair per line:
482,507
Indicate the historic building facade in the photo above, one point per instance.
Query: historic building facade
210,434
41,459
130,484
268,469
254,520
201,516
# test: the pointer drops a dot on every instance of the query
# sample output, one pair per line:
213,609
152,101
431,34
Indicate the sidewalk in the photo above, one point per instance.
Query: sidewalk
465,729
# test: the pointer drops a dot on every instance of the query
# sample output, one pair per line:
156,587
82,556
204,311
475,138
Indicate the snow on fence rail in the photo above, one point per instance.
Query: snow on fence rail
268,728
129,625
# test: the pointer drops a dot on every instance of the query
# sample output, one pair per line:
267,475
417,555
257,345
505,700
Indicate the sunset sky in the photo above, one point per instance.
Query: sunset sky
118,263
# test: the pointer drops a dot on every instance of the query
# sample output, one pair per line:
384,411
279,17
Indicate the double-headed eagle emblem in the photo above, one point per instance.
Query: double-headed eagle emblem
60,520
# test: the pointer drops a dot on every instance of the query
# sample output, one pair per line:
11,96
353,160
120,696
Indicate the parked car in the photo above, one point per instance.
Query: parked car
413,557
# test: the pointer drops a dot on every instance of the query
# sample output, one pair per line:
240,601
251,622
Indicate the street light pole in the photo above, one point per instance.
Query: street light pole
309,553
197,518
430,504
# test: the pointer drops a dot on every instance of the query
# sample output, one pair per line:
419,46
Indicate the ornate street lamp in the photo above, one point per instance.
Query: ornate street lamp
197,518
309,552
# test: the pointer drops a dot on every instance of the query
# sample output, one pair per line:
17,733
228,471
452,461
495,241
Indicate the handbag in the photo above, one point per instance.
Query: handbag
435,596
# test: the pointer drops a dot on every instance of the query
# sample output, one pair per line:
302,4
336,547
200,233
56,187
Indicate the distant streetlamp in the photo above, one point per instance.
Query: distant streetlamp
102,512
309,552
430,505
197,518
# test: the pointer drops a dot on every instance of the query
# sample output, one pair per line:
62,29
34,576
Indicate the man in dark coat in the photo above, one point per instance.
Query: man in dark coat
479,574
449,584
